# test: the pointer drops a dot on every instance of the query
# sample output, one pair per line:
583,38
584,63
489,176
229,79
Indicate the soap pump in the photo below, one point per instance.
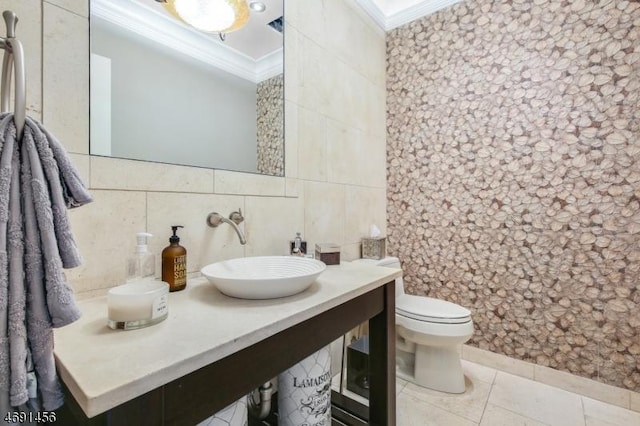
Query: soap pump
142,264
174,262
297,247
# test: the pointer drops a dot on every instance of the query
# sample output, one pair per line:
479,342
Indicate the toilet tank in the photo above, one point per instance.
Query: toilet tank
389,262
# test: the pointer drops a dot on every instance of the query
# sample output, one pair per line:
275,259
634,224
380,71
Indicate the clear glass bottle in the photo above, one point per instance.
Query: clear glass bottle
297,247
142,264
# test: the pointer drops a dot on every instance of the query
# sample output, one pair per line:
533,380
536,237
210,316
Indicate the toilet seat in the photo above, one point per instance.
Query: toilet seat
428,309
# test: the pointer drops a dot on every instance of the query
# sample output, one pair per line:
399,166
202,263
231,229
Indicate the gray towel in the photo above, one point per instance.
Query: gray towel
37,184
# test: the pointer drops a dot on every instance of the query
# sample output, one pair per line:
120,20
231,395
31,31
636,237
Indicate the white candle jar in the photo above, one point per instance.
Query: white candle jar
137,304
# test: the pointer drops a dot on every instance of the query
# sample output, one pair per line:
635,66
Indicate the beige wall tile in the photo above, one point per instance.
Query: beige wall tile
375,110
345,93
308,17
227,182
292,69
324,213
372,169
293,187
343,153
359,103
634,401
291,137
65,106
80,7
332,86
498,361
116,173
342,31
291,12
270,224
105,233
354,157
349,252
36,115
204,244
315,81
91,294
29,33
354,41
312,146
82,162
362,209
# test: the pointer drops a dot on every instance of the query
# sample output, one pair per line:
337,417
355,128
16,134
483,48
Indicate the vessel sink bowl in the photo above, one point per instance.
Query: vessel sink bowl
263,277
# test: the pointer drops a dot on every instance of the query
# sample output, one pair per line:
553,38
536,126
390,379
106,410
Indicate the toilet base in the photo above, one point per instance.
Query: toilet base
405,362
433,367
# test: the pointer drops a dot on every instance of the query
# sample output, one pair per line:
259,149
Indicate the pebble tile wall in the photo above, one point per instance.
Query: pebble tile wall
270,126
514,176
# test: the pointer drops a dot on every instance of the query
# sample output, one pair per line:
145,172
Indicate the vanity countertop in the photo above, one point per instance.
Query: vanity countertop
103,368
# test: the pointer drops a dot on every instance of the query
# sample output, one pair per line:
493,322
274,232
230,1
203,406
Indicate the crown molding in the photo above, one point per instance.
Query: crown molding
421,9
163,29
397,19
374,12
269,65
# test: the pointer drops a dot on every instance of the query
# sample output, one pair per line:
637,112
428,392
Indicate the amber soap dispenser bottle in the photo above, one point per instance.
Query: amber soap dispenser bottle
174,263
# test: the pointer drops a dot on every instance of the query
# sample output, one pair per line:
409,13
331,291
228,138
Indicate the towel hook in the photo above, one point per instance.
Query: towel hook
13,58
11,20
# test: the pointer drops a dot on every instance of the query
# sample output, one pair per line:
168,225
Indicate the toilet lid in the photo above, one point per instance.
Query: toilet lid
429,309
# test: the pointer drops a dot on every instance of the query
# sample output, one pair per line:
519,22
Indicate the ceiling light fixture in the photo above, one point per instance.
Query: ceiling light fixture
212,16
257,6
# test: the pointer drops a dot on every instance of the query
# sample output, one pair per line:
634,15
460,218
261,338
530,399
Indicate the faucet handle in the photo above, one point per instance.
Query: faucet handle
214,219
237,216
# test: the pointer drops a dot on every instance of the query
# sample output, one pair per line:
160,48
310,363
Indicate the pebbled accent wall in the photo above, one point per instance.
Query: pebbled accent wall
514,176
270,126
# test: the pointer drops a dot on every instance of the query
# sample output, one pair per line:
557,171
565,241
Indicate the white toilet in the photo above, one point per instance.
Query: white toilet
429,334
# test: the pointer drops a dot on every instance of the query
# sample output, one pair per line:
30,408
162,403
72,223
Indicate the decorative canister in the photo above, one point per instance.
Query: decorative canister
304,392
374,248
137,304
234,414
329,253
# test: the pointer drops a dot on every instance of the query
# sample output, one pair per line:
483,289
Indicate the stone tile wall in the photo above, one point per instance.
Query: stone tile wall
270,126
318,197
514,176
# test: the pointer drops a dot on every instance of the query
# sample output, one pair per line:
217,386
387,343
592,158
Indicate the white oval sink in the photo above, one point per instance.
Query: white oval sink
263,277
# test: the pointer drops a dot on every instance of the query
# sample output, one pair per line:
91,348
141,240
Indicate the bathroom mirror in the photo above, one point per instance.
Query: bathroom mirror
163,91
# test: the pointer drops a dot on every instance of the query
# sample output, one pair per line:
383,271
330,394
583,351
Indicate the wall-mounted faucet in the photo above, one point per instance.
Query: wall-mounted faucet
235,218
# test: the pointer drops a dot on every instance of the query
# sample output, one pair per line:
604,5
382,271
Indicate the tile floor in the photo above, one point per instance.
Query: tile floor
495,398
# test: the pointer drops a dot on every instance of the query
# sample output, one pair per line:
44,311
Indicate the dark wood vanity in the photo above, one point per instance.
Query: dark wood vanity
199,394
